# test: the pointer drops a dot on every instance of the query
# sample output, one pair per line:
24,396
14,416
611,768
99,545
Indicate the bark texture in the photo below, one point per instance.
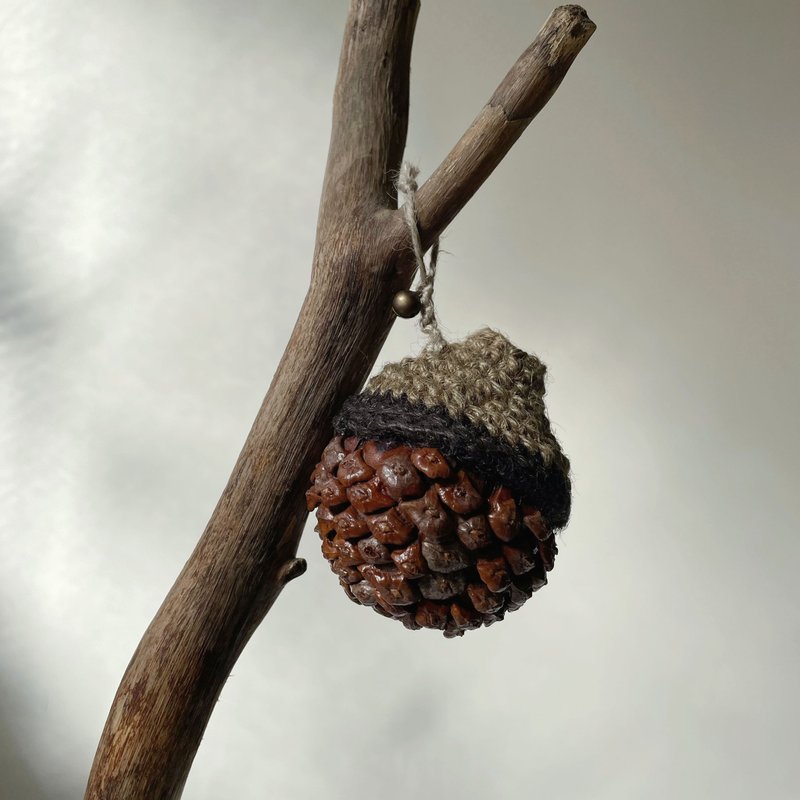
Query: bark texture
246,554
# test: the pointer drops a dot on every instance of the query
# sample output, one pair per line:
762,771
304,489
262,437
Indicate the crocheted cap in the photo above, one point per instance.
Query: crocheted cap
481,402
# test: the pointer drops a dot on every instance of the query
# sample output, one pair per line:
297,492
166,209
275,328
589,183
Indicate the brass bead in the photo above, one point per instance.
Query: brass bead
406,304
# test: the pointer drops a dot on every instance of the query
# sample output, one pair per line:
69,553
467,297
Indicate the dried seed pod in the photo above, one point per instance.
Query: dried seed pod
390,585
464,617
364,593
332,454
350,443
345,573
440,493
532,581
432,615
410,561
537,577
430,462
347,553
474,532
390,528
349,524
442,587
410,621
353,469
373,552
444,556
379,609
368,497
325,519
533,520
503,517
332,493
348,590
318,473
430,561
429,516
547,552
520,559
461,496
312,498
384,601
517,597
376,452
483,600
494,573
454,484
329,550
400,477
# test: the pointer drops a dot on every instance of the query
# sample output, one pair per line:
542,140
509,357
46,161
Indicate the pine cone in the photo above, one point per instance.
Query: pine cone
419,539
438,499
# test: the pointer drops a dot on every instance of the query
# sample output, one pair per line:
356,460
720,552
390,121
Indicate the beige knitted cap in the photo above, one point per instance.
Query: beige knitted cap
481,402
484,378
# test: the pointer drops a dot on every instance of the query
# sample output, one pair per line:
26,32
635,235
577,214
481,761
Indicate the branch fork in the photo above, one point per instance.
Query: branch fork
246,554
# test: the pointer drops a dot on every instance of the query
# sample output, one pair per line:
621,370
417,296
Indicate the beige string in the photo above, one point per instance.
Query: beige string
426,273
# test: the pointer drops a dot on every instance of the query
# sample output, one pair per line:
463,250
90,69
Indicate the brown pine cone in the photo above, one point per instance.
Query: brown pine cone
422,540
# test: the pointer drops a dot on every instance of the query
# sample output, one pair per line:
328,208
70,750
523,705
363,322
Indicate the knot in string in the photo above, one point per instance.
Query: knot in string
426,273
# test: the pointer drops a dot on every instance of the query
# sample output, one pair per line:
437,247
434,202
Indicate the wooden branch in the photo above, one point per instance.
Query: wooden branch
522,94
247,553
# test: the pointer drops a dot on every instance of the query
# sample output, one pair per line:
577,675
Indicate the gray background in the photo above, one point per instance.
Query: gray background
160,168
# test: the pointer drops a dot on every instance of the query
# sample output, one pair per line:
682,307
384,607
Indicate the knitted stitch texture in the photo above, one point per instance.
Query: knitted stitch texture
480,401
484,378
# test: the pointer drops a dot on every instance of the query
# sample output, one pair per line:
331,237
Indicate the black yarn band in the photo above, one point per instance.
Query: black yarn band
387,417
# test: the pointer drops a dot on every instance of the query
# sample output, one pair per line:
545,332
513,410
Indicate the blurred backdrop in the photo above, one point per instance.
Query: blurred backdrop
160,169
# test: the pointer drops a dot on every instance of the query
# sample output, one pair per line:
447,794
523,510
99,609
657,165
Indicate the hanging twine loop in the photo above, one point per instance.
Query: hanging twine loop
426,273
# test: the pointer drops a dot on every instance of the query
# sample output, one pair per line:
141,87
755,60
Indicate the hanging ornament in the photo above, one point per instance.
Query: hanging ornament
439,497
